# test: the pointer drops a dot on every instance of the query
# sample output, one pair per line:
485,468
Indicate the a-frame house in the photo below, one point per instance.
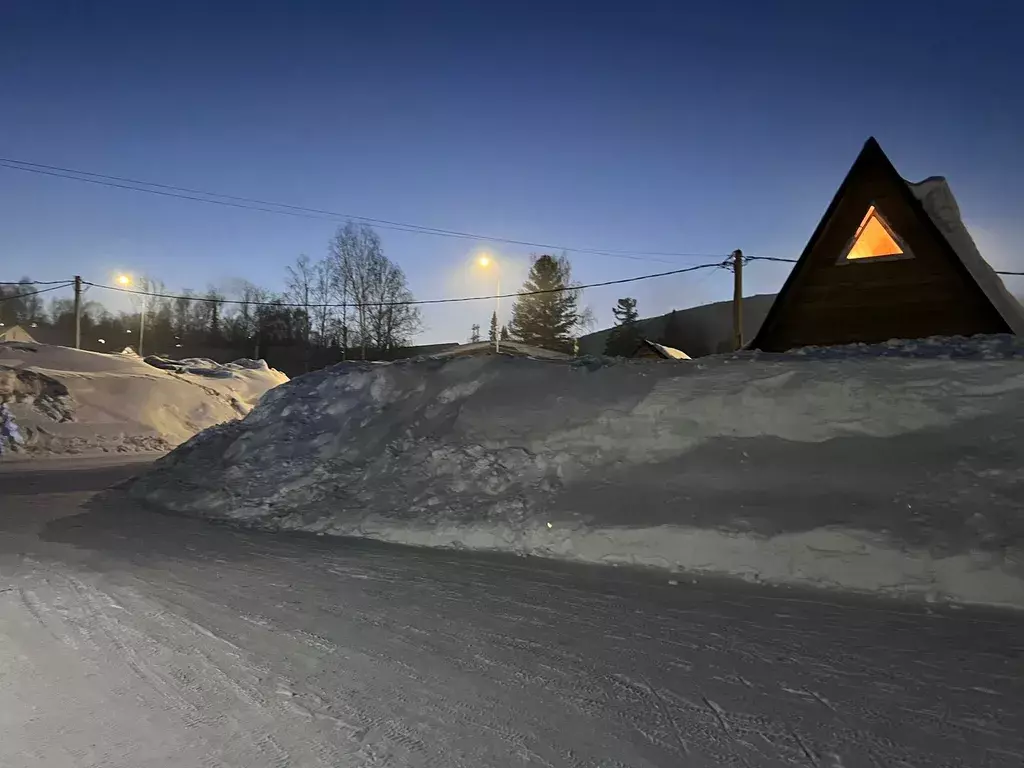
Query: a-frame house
889,259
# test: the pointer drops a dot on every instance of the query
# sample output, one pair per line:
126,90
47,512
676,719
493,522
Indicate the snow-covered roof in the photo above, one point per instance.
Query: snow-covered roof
504,347
938,201
669,353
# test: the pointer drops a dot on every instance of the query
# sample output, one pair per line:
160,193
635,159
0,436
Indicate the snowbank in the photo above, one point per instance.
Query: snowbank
71,401
899,475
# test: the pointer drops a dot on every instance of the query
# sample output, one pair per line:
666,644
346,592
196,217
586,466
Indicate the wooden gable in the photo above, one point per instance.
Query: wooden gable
876,268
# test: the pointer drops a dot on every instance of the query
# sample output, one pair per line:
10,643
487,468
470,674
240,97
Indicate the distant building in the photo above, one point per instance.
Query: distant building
513,348
401,353
889,259
700,331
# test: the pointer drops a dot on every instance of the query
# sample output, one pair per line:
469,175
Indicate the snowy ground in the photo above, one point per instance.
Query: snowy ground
131,639
897,474
68,401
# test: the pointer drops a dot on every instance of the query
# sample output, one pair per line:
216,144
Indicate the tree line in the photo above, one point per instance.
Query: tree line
351,301
354,301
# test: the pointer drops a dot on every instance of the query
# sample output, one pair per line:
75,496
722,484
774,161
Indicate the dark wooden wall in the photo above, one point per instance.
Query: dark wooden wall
871,300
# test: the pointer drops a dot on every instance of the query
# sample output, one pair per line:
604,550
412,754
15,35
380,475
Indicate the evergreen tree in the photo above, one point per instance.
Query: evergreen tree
625,311
625,336
504,333
474,333
492,333
548,317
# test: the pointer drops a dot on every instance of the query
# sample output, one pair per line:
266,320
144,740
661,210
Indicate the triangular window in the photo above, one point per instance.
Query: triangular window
874,239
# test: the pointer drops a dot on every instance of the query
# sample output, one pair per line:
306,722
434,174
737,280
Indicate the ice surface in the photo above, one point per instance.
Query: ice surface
897,474
72,401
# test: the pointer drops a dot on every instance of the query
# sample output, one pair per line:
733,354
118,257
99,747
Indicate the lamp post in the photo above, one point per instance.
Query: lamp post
487,262
125,281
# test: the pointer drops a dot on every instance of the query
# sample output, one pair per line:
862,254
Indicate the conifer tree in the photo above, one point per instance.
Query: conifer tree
625,336
550,314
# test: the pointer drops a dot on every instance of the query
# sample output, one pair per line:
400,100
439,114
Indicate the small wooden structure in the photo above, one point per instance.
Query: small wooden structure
889,259
653,350
15,333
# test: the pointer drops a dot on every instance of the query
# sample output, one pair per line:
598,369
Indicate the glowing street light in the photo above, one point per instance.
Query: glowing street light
486,261
125,280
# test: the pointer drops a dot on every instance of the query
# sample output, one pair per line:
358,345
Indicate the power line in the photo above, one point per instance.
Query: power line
250,203
771,258
34,293
26,281
411,302
794,261
57,284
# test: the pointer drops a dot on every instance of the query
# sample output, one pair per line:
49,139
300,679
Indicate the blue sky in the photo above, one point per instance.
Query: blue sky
638,127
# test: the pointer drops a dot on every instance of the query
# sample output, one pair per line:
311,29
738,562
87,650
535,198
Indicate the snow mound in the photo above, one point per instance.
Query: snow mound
995,347
71,401
899,475
245,364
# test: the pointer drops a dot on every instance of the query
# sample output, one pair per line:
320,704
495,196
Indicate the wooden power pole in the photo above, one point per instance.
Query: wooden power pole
737,298
78,311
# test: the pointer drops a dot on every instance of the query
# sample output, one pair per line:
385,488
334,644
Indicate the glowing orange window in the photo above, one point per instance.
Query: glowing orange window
874,239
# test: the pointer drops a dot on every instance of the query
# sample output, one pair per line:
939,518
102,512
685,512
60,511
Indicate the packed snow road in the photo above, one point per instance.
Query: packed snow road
132,639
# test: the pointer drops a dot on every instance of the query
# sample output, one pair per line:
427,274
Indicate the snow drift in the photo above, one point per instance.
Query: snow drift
902,475
71,401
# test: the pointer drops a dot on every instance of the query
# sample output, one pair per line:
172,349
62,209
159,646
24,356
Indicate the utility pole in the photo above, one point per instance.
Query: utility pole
308,322
497,307
78,311
142,322
737,298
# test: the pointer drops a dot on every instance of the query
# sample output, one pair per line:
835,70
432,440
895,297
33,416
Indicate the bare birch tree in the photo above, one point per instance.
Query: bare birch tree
376,289
321,295
299,288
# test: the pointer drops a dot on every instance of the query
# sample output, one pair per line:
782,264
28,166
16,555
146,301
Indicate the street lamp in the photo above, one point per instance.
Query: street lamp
486,261
124,281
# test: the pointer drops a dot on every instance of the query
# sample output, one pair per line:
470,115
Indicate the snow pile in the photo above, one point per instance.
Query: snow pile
897,475
202,366
996,347
71,401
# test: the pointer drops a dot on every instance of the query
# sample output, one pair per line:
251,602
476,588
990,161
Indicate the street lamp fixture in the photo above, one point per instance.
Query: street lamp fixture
124,281
487,261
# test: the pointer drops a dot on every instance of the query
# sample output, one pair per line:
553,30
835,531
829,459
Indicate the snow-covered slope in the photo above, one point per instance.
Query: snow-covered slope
902,475
71,401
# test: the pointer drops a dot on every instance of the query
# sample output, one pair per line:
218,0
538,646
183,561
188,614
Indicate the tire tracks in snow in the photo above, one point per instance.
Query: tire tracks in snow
287,651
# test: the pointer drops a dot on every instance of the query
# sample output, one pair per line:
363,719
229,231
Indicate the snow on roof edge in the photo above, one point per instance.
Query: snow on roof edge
669,353
938,200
